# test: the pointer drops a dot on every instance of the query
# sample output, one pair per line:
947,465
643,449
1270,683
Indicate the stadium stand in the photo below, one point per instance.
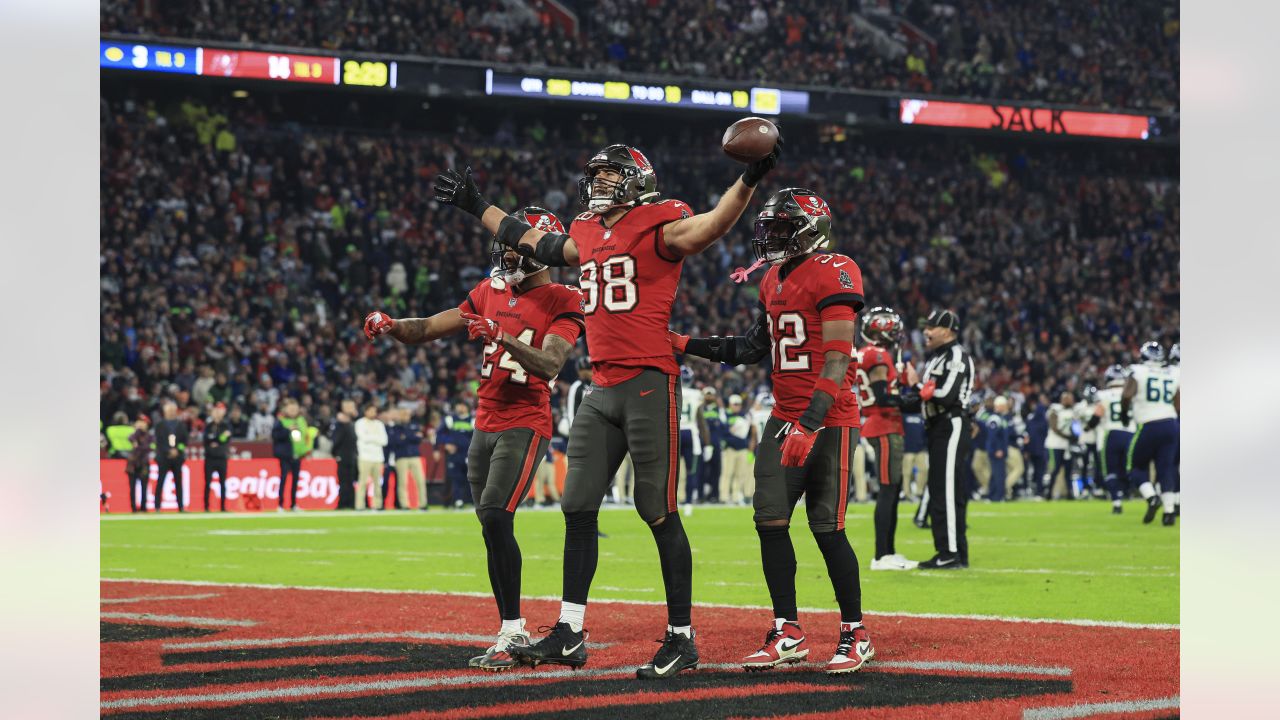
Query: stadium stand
247,239
1108,53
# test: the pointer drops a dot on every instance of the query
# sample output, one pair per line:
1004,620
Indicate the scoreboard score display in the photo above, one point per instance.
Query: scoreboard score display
248,64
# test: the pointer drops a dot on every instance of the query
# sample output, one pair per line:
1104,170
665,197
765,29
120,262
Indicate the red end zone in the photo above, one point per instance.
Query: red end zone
214,651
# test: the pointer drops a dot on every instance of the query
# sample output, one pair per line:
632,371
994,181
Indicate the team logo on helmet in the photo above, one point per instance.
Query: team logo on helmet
881,326
512,269
637,182
794,222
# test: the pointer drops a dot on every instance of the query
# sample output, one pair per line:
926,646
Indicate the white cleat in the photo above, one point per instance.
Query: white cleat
893,562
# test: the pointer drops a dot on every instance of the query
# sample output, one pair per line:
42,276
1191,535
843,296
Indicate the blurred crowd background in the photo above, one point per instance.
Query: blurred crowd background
245,235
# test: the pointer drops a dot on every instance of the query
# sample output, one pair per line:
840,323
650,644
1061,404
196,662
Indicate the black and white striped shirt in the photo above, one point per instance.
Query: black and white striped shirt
951,369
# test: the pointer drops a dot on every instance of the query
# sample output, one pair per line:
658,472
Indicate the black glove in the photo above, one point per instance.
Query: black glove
460,190
756,171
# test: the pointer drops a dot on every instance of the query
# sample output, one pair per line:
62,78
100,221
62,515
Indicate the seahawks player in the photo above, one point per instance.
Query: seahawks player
693,435
1113,436
1152,397
1058,442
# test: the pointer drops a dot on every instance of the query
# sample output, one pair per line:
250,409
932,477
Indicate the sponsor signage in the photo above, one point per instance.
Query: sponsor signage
1019,119
251,485
756,100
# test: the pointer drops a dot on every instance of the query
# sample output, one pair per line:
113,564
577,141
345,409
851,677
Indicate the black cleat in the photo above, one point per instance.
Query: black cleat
943,562
1153,506
677,653
562,646
1177,510
1168,519
1117,509
922,524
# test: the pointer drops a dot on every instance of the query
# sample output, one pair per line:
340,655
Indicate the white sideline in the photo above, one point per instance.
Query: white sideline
301,691
152,598
275,641
1060,712
928,616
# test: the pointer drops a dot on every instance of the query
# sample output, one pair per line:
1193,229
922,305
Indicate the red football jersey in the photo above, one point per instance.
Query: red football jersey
511,397
877,421
629,280
825,286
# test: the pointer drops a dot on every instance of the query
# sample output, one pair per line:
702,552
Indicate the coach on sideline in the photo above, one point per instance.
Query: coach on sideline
947,382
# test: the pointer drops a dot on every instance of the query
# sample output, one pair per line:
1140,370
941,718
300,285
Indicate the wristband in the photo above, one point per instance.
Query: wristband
838,346
678,342
826,385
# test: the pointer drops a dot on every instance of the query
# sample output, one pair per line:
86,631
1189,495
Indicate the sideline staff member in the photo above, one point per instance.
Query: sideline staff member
948,381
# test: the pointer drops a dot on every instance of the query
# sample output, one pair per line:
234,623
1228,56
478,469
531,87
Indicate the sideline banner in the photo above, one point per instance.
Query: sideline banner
251,485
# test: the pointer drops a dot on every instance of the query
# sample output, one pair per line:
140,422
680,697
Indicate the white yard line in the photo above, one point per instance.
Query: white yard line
1061,712
157,598
180,619
1082,622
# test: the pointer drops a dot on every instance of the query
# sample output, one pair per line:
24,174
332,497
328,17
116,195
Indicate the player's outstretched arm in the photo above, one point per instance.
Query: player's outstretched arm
414,331
747,349
458,189
690,236
545,362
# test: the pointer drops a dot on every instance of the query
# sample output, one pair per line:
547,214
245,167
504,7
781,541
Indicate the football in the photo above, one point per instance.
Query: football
749,139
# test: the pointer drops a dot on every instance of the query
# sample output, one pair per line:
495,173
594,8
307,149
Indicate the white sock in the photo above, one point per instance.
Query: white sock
777,623
1147,490
847,626
574,614
1167,500
512,626
684,630
1116,503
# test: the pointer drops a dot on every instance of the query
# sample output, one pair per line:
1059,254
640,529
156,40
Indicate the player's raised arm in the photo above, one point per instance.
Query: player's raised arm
692,235
414,331
747,349
549,248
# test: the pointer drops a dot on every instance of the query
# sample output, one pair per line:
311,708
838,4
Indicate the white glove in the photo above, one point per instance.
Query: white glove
706,453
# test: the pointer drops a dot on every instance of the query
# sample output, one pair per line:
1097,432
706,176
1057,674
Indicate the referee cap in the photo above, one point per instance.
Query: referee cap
943,319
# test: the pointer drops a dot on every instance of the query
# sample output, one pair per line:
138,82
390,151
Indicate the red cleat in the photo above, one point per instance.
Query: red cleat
784,643
853,651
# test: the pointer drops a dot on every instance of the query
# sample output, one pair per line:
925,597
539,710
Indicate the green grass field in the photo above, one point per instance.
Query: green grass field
1057,560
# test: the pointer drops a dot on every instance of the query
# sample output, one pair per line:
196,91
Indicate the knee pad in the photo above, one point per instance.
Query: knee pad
581,525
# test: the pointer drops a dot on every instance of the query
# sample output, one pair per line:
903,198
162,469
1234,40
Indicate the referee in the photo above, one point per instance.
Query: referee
948,381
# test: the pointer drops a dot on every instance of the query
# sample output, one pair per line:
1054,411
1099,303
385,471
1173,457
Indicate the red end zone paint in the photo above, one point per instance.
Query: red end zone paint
172,677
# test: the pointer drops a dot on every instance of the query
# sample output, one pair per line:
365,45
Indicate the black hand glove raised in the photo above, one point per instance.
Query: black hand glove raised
756,171
460,191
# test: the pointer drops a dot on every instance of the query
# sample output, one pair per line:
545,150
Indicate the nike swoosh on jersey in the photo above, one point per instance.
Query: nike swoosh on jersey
566,652
663,670
645,392
837,264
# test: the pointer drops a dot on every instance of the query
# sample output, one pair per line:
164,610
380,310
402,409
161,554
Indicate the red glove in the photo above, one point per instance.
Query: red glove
797,444
377,323
678,341
926,392
479,328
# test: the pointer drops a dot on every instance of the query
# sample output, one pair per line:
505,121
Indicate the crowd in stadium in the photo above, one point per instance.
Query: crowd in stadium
1106,53
239,254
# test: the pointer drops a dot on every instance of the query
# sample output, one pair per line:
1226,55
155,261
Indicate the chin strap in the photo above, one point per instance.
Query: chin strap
740,275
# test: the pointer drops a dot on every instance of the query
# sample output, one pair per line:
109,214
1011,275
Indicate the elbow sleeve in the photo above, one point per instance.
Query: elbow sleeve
548,251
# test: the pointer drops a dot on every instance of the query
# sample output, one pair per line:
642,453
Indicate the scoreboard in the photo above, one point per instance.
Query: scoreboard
249,64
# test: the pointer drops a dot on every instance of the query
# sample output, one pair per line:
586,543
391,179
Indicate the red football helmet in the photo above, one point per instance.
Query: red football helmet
882,326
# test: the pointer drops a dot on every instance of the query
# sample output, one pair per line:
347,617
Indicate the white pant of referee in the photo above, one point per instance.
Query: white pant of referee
948,438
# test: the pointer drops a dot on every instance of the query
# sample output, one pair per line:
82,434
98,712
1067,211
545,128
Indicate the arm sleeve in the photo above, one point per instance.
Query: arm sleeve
747,349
